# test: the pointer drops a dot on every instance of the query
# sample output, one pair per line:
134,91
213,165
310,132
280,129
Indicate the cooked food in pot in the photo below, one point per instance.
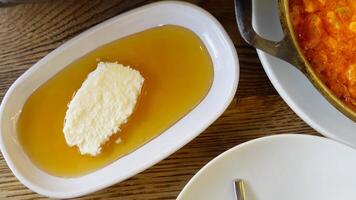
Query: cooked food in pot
326,32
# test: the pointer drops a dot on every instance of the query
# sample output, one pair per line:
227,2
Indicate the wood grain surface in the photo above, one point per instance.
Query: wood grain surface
30,31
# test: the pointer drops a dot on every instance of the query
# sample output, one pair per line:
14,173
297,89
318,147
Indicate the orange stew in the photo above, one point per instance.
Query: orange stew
326,32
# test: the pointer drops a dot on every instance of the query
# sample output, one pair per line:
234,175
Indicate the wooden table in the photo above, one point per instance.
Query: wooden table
29,32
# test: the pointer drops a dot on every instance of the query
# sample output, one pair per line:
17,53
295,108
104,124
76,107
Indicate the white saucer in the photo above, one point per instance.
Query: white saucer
283,167
294,87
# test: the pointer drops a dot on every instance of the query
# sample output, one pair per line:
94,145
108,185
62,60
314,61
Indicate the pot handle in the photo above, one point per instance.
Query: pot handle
283,49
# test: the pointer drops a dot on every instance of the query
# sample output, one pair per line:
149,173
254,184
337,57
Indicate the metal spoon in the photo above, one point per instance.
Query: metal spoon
239,189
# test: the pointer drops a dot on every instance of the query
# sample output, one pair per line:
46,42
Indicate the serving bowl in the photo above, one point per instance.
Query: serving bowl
223,88
287,49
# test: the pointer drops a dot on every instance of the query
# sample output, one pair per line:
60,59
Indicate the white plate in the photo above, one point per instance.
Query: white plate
226,73
294,87
283,167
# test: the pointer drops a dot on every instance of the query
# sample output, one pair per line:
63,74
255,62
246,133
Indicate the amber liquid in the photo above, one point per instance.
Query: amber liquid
178,74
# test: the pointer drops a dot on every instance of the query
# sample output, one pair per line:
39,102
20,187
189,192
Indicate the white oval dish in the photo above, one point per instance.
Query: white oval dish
226,75
281,167
295,89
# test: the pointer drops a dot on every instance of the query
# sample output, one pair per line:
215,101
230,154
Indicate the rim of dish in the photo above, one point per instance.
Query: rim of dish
293,104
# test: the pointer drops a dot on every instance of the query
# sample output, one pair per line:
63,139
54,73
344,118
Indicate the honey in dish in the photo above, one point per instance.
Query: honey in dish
178,74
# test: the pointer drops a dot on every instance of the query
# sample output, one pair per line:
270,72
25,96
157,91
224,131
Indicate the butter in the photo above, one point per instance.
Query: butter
103,103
